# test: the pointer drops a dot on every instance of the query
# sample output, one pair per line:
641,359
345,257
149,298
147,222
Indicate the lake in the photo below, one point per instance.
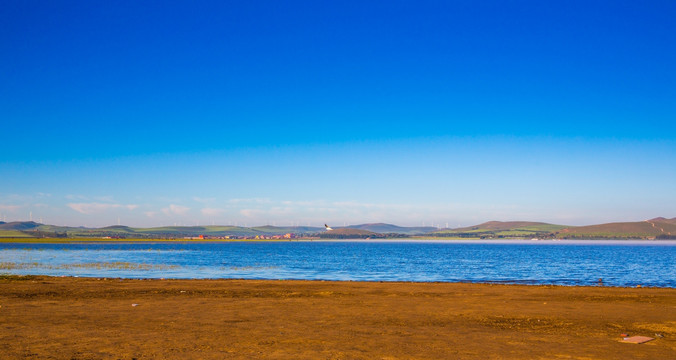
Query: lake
618,263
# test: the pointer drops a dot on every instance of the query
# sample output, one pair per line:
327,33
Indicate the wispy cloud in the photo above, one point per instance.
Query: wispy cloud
95,207
251,213
211,211
250,201
150,214
174,209
76,197
9,207
203,200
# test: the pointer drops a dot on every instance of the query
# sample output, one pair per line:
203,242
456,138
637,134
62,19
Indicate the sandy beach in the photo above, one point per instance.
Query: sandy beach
90,318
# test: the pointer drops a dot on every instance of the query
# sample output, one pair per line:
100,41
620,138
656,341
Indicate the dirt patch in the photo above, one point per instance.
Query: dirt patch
84,318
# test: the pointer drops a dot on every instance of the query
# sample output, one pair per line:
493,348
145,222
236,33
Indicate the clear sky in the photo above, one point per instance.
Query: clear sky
343,112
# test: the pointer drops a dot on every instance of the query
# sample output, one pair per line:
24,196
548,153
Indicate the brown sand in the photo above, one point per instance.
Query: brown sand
77,318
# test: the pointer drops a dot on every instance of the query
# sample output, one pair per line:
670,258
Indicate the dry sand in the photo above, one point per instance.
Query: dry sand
78,318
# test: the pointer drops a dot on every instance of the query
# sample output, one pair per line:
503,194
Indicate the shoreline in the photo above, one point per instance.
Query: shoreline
411,239
24,277
110,318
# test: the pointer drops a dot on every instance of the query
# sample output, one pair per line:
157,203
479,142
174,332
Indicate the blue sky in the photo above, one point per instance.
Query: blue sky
256,112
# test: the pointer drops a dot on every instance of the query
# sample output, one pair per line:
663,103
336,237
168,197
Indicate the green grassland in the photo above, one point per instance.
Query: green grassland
542,228
28,240
498,230
506,230
51,231
13,234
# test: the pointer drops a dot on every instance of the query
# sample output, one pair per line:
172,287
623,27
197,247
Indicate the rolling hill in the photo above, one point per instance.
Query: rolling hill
389,228
349,233
31,229
501,229
658,227
661,228
639,229
663,220
19,225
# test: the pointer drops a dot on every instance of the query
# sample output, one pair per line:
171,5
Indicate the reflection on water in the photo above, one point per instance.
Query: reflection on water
541,262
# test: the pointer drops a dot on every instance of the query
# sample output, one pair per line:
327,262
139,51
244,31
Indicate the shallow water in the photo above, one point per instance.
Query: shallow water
618,263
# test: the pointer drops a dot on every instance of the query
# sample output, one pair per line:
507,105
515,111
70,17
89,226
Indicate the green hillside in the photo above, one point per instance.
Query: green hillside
19,225
648,229
660,228
501,229
349,233
117,231
389,228
639,229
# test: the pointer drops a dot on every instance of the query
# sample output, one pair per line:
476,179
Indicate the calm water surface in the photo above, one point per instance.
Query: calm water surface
532,262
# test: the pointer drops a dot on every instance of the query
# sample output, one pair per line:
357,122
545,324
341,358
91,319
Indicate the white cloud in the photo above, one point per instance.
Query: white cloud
203,200
251,212
94,207
150,214
9,207
174,209
250,201
211,211
76,197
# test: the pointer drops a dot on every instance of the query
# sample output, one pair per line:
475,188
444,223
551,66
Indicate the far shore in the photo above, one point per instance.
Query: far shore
28,240
81,318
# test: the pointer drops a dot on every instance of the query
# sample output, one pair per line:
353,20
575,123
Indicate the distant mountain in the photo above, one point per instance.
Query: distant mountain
389,228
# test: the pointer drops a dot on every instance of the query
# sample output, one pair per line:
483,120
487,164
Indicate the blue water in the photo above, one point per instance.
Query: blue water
529,262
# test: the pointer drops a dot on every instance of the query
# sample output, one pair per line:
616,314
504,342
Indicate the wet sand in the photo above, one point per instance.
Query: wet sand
79,318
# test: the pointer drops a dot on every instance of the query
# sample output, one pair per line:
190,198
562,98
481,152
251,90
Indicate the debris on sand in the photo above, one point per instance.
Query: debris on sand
637,339
134,304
